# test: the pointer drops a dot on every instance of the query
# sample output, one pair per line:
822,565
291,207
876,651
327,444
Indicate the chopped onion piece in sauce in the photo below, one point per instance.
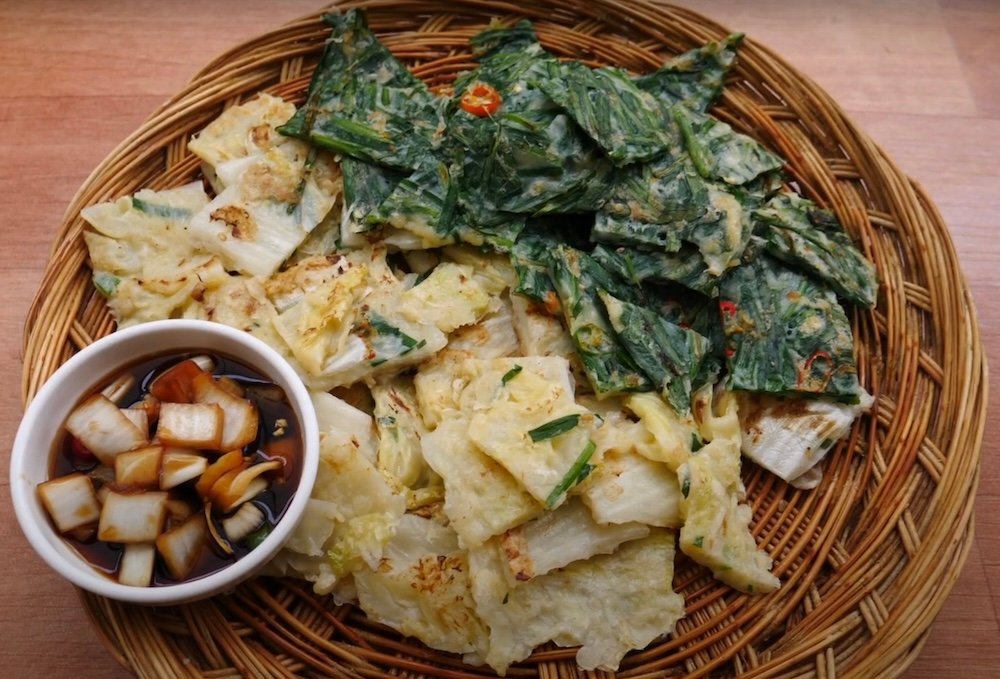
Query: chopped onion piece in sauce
244,521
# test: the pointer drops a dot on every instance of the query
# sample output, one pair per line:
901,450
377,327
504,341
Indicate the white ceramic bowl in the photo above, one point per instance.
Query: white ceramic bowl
31,457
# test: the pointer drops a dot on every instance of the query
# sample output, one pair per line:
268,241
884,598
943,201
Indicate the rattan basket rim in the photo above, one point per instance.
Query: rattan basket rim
862,608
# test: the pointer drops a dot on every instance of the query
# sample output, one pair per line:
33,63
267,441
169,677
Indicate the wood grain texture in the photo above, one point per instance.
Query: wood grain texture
918,75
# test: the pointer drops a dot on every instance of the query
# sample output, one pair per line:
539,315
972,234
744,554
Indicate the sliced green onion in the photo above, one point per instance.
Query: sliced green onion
106,283
577,473
697,152
165,211
511,374
558,426
422,277
258,536
383,327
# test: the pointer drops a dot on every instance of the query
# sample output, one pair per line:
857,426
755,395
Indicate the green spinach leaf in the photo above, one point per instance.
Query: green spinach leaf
797,231
785,332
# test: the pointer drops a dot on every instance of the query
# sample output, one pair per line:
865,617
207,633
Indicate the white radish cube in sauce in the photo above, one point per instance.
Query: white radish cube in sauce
136,565
139,468
180,465
241,418
139,417
181,547
70,501
132,518
100,425
192,425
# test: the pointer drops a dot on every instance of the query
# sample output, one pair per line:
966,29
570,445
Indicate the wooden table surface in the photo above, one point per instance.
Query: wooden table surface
77,76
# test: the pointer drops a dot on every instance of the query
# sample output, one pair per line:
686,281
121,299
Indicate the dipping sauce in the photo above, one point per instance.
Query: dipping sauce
173,469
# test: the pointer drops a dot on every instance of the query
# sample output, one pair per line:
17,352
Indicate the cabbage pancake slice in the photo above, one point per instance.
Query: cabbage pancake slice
353,510
344,424
361,320
421,588
368,507
238,133
492,337
716,531
481,499
449,297
562,536
399,432
317,326
790,435
438,384
706,457
441,382
533,427
273,191
608,605
539,333
626,485
142,257
673,435
400,456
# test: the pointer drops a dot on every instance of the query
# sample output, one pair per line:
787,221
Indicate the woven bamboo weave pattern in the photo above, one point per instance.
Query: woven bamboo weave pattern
866,559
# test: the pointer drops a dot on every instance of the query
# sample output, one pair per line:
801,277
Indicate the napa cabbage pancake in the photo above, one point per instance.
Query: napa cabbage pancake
271,191
606,605
141,254
538,340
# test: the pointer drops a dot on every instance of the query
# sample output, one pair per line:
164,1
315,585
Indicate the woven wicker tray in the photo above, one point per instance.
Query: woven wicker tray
866,560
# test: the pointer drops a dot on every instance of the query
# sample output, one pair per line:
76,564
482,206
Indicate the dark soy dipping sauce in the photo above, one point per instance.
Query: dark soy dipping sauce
272,404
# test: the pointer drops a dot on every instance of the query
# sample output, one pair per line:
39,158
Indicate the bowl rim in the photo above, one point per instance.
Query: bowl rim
37,527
